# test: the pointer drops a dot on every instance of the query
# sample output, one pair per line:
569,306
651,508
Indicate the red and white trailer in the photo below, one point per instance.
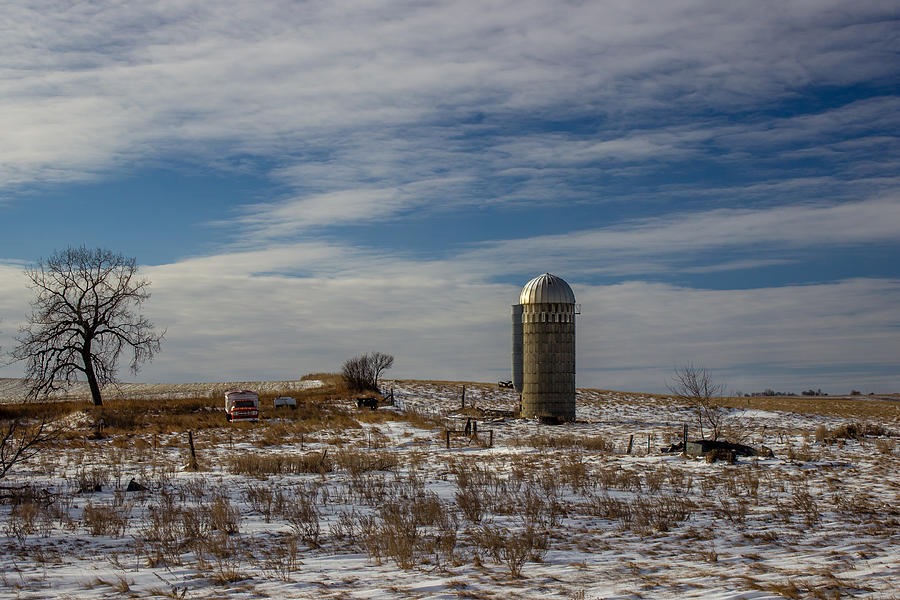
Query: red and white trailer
241,405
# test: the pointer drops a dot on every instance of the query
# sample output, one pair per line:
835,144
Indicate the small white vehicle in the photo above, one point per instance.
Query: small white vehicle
285,402
241,405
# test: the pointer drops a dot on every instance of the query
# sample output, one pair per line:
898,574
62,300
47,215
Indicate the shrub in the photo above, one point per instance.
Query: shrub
643,513
220,515
471,502
512,548
302,513
803,501
22,520
279,464
106,519
283,557
399,533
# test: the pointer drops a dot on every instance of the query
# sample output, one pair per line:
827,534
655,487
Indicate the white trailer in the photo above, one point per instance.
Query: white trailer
285,402
241,405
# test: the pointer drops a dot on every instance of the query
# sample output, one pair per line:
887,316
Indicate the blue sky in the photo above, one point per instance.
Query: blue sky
303,181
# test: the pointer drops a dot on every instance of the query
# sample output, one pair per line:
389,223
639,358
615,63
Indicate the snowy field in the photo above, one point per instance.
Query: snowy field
371,504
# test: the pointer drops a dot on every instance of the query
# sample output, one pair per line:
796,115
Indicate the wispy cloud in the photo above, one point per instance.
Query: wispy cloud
89,88
668,242
295,216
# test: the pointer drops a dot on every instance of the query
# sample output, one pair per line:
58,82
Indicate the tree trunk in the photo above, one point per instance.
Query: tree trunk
91,378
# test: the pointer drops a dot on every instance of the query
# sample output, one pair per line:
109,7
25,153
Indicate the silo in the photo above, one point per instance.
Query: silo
546,313
517,347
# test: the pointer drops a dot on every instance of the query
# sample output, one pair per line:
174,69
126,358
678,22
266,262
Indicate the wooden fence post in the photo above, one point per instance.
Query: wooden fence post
491,443
193,466
630,442
447,433
684,440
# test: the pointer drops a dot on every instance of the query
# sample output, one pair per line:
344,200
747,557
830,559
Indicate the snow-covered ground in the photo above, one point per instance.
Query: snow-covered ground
395,514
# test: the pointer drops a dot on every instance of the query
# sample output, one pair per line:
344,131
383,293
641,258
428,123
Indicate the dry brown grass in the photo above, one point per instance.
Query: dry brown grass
565,441
318,408
356,461
857,408
257,465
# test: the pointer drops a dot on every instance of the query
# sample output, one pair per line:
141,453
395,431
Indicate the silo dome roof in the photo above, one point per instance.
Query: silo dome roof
547,288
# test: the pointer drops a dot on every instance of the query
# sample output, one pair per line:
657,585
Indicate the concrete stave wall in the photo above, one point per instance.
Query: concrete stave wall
548,361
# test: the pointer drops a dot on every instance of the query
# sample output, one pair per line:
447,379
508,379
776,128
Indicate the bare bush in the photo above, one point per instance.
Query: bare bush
282,558
806,503
370,537
695,386
23,520
596,443
575,472
106,519
733,509
399,533
643,514
220,515
512,548
472,503
265,500
345,527
302,513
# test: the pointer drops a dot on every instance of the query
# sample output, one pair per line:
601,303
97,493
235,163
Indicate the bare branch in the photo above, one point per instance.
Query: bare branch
21,440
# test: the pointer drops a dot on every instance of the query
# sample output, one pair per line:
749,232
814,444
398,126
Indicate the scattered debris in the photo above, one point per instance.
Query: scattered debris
371,403
721,448
134,486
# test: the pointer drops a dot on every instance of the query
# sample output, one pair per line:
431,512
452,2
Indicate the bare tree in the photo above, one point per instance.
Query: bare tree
85,313
20,440
357,372
380,363
363,371
696,386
